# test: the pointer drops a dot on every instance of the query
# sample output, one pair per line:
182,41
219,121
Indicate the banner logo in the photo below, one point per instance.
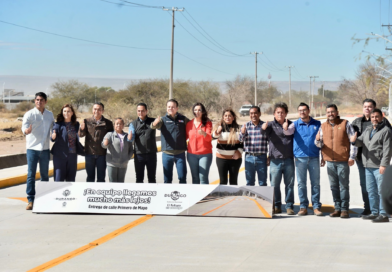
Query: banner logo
66,193
175,195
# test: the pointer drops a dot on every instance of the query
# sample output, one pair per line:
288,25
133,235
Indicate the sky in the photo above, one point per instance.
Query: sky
313,36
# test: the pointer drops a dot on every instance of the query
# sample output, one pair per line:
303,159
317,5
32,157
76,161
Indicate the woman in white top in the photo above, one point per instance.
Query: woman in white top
228,149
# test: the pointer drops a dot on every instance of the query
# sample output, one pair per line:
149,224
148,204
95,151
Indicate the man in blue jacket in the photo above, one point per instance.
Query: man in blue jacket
307,155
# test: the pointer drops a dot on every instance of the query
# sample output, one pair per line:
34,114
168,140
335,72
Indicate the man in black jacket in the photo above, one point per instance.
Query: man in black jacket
145,147
360,124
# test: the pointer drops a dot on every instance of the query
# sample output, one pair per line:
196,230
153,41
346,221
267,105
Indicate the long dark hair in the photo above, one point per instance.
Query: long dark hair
60,117
234,126
204,113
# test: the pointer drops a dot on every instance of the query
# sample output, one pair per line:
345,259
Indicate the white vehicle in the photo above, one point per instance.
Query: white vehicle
244,110
385,110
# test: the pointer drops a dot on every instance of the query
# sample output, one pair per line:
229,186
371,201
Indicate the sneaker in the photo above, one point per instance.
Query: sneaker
318,212
277,210
30,206
344,214
290,211
336,213
381,219
370,216
302,211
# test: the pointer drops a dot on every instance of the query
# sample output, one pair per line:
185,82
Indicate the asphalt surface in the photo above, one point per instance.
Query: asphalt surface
93,242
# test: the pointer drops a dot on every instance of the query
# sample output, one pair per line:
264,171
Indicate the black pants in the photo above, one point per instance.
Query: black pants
145,160
230,167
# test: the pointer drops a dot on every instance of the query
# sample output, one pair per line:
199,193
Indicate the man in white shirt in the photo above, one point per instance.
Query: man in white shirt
37,125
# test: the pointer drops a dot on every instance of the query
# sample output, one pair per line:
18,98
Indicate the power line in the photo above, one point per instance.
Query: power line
120,4
202,63
142,5
214,41
276,67
115,45
199,40
79,39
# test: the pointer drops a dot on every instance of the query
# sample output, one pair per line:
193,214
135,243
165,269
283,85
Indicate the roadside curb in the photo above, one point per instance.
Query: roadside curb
16,180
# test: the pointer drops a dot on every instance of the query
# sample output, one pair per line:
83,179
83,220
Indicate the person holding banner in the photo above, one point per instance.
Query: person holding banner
228,149
119,151
199,154
173,141
66,145
37,125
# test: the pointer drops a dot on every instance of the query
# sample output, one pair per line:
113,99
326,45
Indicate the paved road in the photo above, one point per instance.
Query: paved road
207,243
231,206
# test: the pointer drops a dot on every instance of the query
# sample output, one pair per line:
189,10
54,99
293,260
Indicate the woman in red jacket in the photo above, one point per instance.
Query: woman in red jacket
199,154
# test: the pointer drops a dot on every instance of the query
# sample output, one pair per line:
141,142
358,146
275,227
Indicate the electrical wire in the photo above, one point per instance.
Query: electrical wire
272,63
211,38
193,36
79,39
142,5
108,44
202,63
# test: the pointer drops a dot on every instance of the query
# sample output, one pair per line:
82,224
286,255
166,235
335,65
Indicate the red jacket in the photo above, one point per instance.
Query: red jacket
198,144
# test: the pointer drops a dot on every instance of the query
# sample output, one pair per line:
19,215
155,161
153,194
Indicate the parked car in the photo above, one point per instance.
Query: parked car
244,110
385,110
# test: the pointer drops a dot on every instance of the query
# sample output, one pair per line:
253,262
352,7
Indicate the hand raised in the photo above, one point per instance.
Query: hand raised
106,142
54,135
354,137
286,124
28,130
219,130
201,132
264,126
156,121
243,129
318,136
130,135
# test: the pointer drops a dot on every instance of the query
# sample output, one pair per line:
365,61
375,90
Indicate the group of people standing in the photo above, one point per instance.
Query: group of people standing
284,146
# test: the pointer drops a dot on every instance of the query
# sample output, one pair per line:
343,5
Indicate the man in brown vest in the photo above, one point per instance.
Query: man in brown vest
334,140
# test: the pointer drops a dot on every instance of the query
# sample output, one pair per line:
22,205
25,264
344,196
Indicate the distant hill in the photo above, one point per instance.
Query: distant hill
33,84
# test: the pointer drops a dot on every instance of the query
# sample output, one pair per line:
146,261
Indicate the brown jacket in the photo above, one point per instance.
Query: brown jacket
94,135
336,143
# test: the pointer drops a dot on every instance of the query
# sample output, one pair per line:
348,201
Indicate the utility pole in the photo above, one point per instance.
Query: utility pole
313,90
290,84
256,74
173,9
3,92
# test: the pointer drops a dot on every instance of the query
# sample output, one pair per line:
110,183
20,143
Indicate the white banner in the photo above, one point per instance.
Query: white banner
164,199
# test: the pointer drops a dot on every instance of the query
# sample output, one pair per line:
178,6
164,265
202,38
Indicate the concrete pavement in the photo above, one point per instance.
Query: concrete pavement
86,242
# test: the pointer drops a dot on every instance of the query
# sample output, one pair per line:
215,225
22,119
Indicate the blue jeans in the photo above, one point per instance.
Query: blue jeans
338,174
168,162
95,161
200,167
285,167
33,158
373,184
116,174
255,164
362,182
302,165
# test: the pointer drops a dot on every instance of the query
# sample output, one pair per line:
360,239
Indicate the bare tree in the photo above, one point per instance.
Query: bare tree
368,83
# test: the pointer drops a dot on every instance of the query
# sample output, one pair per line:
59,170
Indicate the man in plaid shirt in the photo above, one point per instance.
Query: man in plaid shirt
255,147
